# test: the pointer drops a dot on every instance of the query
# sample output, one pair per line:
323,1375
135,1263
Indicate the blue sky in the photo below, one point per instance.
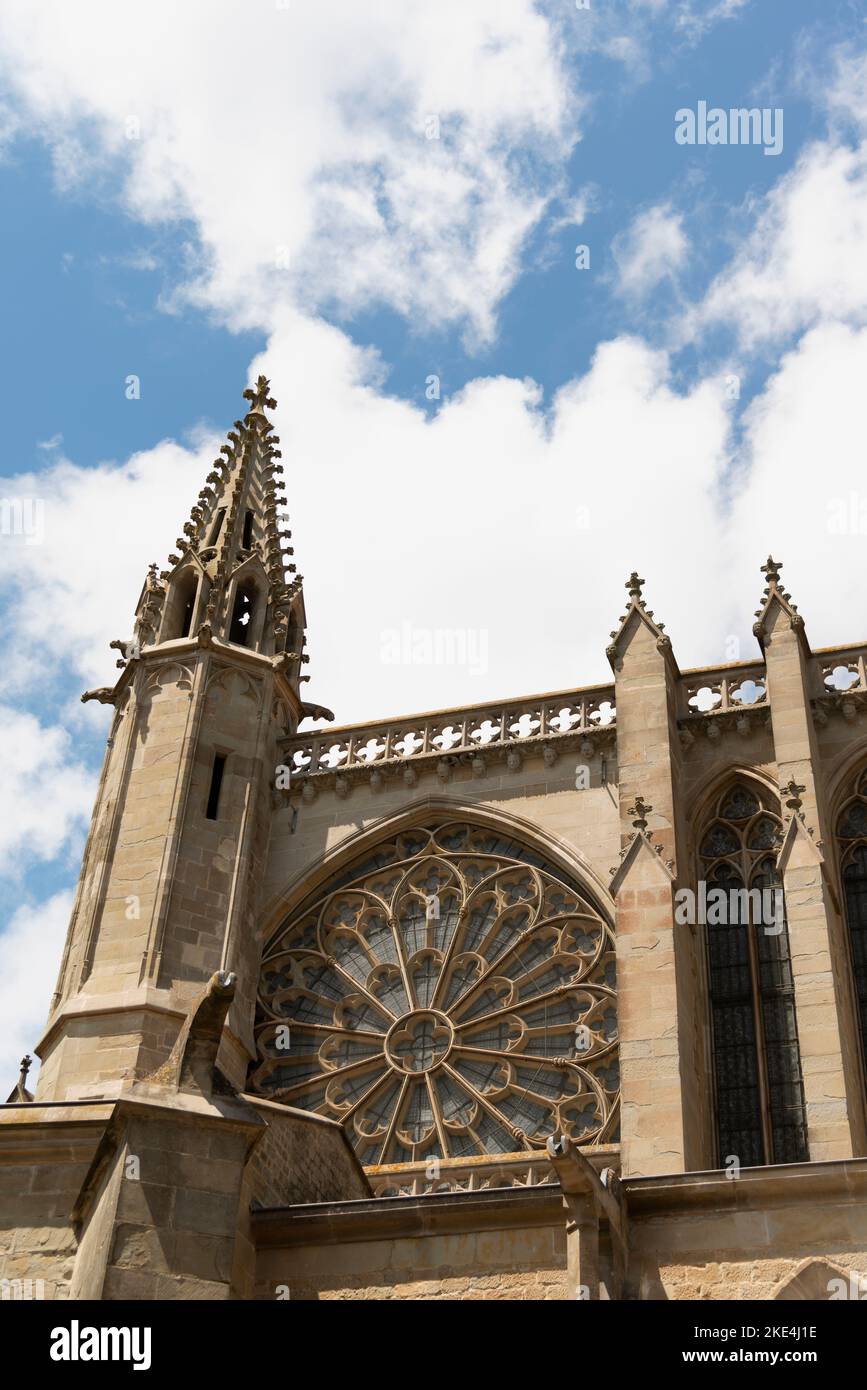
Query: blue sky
171,218
75,263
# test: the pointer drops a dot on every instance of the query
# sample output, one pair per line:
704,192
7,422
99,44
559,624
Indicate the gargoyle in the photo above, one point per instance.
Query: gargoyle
191,1065
103,693
309,711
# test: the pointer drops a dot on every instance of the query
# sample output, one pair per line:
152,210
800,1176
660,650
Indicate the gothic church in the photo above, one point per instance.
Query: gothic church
412,1010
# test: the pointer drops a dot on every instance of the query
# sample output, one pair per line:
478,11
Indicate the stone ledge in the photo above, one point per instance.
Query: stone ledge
388,1218
756,1188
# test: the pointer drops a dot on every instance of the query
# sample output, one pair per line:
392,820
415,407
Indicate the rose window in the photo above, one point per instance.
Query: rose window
450,995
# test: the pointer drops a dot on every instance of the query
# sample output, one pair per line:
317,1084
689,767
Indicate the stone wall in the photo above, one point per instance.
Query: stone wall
300,1158
690,1236
490,1245
45,1154
702,1235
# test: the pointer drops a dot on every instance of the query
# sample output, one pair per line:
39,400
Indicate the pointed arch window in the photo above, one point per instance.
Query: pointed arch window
243,613
451,994
179,618
758,1083
852,839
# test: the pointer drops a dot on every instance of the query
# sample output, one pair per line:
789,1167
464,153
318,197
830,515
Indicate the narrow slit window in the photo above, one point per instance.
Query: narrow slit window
247,540
217,526
216,783
189,603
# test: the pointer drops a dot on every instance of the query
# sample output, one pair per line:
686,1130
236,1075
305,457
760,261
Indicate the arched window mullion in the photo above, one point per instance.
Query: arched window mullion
758,1082
555,1038
854,878
782,1055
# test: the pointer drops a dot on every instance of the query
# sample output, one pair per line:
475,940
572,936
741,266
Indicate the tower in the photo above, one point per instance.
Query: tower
209,681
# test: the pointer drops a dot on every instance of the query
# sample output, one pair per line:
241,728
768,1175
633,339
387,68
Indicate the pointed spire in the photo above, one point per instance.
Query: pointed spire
775,594
635,589
230,576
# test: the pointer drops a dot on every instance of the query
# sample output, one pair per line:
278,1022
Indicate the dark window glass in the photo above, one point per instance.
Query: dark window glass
855,888
759,1086
216,783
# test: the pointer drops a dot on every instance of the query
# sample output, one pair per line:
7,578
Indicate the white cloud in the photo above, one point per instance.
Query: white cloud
696,22
804,494
45,794
442,522
845,93
653,248
803,259
693,18
30,950
76,590
302,151
631,52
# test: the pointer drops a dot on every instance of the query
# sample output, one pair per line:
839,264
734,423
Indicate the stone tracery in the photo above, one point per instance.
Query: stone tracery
452,995
852,837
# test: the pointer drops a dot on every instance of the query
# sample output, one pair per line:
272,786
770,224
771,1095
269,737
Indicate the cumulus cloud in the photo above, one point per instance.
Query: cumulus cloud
399,517
30,949
653,248
803,492
342,155
803,259
75,588
45,794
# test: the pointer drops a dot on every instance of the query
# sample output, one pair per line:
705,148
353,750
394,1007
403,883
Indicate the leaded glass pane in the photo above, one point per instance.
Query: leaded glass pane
434,979
759,1089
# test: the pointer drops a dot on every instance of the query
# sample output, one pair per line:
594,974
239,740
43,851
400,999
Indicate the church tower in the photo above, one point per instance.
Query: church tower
209,681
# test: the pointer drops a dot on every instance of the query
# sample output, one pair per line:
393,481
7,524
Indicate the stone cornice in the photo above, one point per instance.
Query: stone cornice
753,1189
389,1218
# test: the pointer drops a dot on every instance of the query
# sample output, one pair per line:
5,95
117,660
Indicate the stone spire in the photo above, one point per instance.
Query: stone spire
230,576
636,605
775,595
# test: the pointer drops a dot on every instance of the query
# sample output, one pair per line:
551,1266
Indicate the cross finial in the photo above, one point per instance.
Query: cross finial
260,397
20,1093
634,584
771,570
794,790
639,812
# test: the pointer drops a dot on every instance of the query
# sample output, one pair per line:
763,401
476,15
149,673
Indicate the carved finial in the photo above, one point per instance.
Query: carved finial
794,790
639,812
634,586
260,397
20,1092
771,570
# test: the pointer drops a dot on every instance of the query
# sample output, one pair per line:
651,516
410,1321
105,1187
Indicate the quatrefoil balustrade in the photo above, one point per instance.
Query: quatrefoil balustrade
452,995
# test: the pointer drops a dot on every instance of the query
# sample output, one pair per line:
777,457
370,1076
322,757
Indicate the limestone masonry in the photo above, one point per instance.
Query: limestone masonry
408,1010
